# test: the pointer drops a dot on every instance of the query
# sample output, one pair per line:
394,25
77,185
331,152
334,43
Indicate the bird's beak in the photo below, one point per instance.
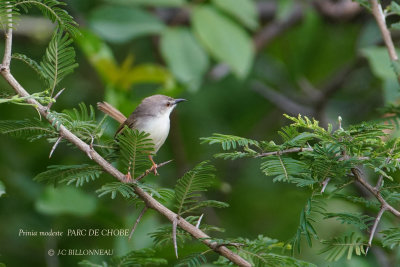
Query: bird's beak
179,100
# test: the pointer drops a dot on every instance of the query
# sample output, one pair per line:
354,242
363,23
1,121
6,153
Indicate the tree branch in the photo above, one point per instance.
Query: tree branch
381,21
357,174
92,154
373,230
286,151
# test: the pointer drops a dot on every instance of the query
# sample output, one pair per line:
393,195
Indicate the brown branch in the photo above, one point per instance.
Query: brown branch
137,221
357,174
381,21
373,229
55,145
92,154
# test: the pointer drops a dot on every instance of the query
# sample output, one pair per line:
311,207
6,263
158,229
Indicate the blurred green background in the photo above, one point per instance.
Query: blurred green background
307,59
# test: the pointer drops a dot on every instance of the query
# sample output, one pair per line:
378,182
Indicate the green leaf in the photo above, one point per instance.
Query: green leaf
149,73
225,40
125,190
27,129
228,141
359,220
120,24
53,10
379,62
78,174
243,10
338,246
192,260
59,60
184,56
188,188
157,3
2,189
391,238
65,200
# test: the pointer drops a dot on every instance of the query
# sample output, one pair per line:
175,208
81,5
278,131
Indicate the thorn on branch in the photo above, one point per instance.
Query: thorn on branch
55,145
54,99
324,184
174,226
199,221
138,220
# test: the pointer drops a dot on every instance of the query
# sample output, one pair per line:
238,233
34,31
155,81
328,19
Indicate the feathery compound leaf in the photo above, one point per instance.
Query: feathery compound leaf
78,174
228,141
52,10
59,60
81,122
194,181
135,147
27,129
113,188
142,257
31,63
8,14
284,168
338,246
359,220
192,260
391,238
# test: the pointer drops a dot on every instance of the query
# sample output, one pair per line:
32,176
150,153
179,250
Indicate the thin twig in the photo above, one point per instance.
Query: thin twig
55,145
55,99
8,40
148,171
381,21
357,174
138,220
373,229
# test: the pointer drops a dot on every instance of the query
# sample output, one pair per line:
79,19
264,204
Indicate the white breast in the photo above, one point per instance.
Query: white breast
158,128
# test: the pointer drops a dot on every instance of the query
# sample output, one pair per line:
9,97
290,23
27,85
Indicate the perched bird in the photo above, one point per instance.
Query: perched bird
151,116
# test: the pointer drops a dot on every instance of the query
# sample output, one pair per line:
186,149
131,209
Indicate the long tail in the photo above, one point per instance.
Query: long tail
111,111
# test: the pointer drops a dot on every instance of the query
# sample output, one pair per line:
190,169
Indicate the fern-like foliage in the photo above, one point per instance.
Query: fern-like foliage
192,260
31,63
229,141
114,188
52,9
188,188
82,122
284,168
306,223
262,251
134,147
8,14
59,60
359,220
391,238
143,257
30,130
337,247
70,174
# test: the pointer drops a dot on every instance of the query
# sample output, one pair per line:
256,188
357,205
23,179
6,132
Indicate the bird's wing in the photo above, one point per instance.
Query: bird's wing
130,122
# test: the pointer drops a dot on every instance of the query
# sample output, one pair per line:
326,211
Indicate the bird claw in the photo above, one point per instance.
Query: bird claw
154,169
128,177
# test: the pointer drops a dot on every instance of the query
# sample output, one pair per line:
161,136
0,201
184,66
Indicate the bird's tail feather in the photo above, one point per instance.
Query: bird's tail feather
111,111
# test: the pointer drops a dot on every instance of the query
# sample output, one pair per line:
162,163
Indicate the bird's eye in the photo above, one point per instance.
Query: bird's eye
168,104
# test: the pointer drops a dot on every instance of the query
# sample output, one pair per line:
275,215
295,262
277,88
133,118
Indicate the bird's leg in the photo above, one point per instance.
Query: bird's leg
128,177
154,167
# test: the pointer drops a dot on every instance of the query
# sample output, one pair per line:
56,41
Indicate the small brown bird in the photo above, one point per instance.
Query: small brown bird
151,116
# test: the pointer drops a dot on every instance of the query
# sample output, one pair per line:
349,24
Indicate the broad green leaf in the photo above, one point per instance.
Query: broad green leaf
225,40
184,56
379,62
150,73
65,200
172,3
120,24
2,189
243,10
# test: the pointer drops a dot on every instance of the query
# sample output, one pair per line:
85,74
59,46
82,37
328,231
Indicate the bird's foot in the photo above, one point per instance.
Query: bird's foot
128,177
154,169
